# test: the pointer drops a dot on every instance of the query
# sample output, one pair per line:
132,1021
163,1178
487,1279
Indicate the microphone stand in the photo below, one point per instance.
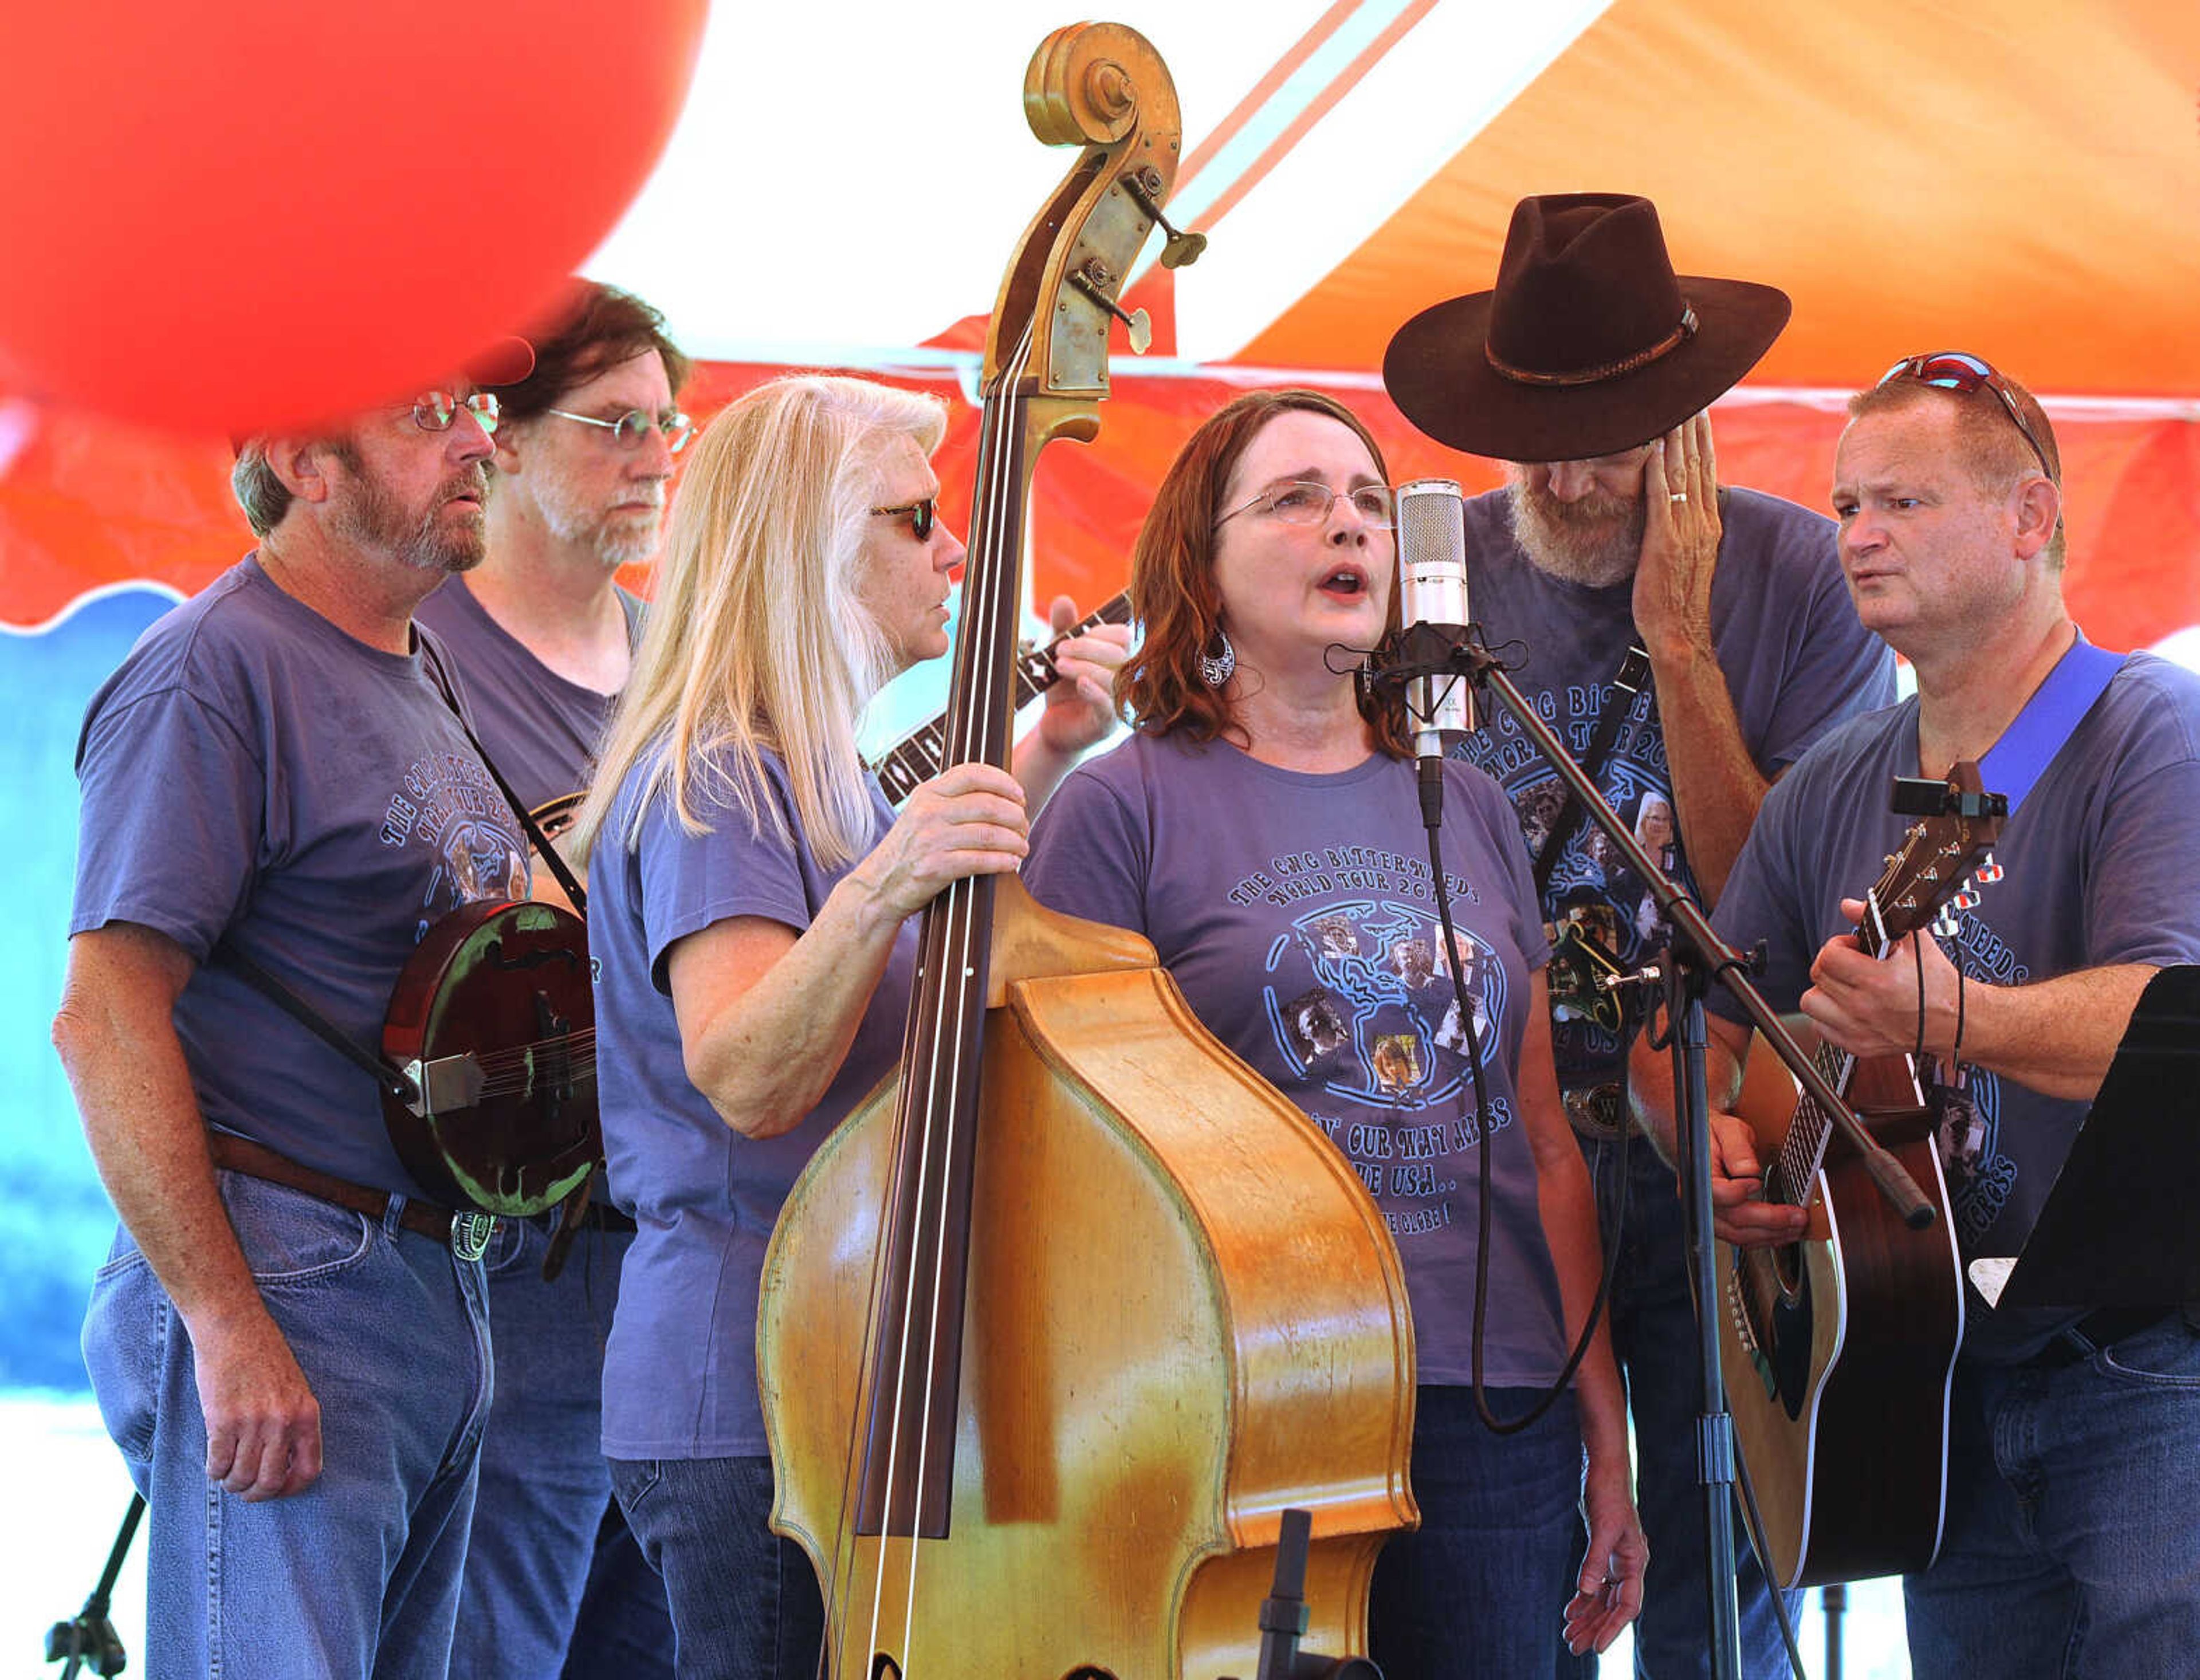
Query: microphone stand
1697,956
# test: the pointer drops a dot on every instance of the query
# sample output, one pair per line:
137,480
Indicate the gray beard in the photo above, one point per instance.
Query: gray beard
1595,542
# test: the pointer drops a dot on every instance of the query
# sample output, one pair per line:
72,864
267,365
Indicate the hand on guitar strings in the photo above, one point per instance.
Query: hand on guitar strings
1080,706
1739,1213
1869,1007
1609,1593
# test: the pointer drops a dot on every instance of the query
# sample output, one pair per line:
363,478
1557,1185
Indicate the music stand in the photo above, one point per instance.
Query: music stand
2117,1228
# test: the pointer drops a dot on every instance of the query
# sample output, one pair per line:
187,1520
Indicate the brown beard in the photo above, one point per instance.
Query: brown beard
373,519
1595,540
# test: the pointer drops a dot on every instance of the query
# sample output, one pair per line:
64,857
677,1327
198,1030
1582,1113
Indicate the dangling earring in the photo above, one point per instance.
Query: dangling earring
1215,668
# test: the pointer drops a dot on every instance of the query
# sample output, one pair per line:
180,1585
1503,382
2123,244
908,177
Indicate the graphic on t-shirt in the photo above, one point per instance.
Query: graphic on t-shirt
1980,1176
1369,1029
447,803
1602,918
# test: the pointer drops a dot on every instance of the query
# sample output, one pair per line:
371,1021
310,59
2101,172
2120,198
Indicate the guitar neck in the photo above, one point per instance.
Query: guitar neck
1803,1153
922,754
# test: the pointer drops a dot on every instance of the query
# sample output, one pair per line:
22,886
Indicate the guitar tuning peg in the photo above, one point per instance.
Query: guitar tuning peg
1988,871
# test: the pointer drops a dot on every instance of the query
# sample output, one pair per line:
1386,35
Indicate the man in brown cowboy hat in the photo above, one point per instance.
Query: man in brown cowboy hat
1689,641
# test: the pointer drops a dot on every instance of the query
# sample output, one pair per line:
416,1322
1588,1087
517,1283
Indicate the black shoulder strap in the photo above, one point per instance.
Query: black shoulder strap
1633,671
548,853
387,1074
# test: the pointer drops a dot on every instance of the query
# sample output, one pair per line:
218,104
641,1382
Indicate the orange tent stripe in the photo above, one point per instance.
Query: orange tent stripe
1264,90
1316,108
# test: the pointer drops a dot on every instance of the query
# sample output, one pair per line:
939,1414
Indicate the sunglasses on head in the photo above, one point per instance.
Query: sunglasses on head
1960,371
921,514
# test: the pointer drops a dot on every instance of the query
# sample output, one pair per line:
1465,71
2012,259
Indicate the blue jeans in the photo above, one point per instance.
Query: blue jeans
1654,1337
358,1575
1480,1588
546,1487
2073,1542
744,1602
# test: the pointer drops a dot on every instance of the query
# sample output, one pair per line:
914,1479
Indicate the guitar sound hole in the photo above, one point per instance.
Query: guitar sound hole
1088,1672
884,1667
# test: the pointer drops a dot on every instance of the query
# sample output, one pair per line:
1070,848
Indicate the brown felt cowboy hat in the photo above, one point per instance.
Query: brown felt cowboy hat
1590,344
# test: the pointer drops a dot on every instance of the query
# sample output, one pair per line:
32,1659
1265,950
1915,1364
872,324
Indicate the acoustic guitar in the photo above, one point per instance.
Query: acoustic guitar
1839,1349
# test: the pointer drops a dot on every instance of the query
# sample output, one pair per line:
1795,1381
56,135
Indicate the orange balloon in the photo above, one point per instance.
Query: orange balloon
220,218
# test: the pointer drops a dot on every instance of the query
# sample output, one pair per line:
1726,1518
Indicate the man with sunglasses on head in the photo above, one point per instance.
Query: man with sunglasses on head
540,635
1689,641
2071,1544
290,1342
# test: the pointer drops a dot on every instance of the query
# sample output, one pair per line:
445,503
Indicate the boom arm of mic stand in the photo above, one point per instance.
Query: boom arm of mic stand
1470,659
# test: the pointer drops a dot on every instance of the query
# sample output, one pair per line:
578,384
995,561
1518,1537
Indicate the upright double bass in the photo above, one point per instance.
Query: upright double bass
1057,1323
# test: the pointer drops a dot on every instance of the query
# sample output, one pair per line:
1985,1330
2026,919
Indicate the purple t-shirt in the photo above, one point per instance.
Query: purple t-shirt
1295,913
252,771
1796,661
2098,864
680,1368
541,729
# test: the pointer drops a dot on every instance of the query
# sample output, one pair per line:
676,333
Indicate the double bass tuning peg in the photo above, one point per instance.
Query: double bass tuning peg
1093,280
1182,250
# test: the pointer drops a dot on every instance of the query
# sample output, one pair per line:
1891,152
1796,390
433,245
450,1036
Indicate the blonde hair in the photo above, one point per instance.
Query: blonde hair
756,640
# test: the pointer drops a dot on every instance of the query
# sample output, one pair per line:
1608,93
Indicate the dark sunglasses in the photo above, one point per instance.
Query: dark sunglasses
1960,371
921,516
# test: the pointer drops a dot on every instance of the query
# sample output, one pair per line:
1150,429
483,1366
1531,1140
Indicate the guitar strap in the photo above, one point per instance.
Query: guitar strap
2015,764
1626,683
548,853
387,1074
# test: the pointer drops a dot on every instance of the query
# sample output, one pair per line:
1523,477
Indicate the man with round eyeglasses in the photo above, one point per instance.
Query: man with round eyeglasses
289,1340
540,636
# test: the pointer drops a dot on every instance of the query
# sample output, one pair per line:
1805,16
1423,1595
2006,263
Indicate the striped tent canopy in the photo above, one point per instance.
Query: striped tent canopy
2020,179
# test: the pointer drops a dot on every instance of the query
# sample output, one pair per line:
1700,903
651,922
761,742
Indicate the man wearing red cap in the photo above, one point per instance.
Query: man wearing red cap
290,1343
1689,641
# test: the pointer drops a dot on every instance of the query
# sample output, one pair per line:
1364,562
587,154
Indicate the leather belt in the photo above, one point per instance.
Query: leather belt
2090,1334
466,1234
600,1216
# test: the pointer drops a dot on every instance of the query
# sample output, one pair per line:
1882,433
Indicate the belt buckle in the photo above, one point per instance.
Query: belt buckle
471,1234
1597,1111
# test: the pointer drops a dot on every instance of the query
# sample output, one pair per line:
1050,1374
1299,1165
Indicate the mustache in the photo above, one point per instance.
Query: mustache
474,482
1593,509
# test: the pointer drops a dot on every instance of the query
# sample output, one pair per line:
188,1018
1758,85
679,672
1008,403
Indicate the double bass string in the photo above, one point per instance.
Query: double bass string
997,595
975,729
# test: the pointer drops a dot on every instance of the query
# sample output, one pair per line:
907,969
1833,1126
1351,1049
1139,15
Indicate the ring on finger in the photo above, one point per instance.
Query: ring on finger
1678,496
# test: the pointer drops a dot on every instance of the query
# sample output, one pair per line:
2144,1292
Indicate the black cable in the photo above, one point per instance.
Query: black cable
1431,791
1918,951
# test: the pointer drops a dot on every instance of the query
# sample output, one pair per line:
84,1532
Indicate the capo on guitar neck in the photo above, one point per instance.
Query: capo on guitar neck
1923,796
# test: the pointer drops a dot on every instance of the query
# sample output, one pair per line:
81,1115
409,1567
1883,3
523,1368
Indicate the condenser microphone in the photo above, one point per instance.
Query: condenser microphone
1432,592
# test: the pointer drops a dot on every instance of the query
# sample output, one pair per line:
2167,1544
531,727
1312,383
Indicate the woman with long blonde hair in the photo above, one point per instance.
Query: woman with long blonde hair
752,895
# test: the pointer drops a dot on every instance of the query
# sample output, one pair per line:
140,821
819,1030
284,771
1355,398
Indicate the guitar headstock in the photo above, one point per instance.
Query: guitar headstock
1944,858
